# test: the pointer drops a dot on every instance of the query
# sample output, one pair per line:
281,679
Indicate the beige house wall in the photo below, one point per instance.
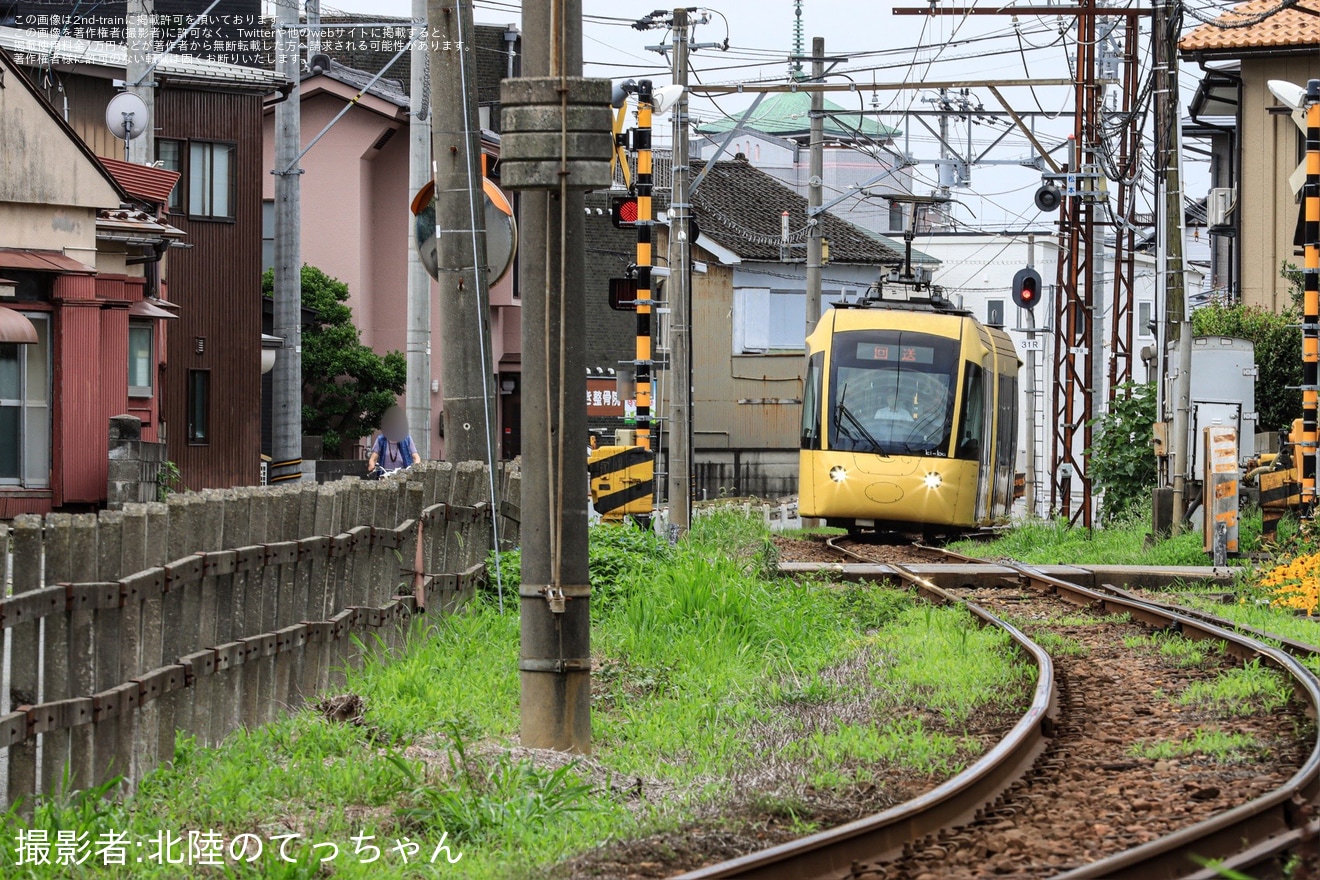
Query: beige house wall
46,227
1267,206
41,166
735,396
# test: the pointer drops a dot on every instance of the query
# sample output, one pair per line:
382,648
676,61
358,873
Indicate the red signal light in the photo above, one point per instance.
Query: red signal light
623,211
1026,288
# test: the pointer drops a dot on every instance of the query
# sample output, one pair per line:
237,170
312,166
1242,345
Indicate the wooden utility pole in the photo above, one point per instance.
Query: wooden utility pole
466,371
680,301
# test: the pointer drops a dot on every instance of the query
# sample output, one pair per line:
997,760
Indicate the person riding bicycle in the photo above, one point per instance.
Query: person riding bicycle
394,448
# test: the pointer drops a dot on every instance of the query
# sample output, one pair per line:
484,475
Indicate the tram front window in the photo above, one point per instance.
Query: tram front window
890,392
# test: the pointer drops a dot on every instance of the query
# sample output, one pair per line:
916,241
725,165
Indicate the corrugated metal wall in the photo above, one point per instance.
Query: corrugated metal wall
217,284
722,379
80,442
113,395
85,99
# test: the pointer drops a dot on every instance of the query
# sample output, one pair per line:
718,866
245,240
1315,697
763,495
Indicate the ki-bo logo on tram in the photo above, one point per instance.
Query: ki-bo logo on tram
36,847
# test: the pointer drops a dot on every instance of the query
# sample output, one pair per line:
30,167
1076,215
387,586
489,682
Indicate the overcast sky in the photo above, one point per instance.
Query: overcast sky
881,47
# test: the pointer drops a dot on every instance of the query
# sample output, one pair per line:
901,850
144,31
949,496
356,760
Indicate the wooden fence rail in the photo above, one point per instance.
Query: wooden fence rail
203,614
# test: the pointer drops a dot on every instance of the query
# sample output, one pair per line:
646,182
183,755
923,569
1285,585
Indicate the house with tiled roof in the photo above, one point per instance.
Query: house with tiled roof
1253,216
748,316
858,153
197,372
80,304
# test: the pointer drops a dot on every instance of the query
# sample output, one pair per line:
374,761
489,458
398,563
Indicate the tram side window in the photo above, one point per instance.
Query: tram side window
811,402
971,430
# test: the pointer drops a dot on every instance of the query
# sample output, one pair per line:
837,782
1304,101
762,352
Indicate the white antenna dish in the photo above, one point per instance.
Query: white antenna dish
126,116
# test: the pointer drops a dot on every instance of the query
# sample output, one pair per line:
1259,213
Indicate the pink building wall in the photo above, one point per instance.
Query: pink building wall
356,225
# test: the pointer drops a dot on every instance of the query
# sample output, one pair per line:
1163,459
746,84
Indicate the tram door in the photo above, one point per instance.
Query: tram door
975,434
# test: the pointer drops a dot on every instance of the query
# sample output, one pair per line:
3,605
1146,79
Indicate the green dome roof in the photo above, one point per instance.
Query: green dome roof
788,115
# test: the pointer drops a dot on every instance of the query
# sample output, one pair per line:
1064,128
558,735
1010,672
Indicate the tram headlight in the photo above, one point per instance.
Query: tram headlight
838,473
932,480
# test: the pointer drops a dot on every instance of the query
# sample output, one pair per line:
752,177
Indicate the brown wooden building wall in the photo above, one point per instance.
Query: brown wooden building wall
217,284
216,281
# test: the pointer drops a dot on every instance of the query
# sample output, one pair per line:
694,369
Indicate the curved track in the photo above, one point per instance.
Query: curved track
1248,835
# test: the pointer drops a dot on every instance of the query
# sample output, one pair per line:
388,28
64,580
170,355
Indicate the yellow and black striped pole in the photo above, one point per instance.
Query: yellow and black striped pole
1311,299
642,143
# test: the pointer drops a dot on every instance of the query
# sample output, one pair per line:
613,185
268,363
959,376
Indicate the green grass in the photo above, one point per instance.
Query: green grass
1219,746
1178,651
818,532
1039,542
695,651
1060,646
849,755
1245,690
942,660
1249,611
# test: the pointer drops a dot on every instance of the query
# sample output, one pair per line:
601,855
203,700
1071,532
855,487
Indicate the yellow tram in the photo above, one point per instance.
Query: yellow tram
909,420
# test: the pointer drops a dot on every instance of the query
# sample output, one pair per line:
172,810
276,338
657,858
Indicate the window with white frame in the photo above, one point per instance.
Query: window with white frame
141,358
169,154
25,409
768,320
1145,316
210,179
897,220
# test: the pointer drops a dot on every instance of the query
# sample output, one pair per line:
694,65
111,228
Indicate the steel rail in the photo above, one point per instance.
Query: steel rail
1299,649
1228,833
1246,835
833,853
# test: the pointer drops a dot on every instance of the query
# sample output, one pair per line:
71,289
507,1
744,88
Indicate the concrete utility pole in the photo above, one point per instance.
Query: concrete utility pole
418,396
286,415
466,372
814,196
140,35
1169,164
554,609
313,27
680,301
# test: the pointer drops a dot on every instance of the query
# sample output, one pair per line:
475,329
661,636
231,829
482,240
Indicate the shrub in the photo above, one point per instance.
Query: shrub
1123,456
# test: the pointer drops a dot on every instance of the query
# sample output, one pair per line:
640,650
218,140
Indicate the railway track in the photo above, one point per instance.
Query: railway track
1016,811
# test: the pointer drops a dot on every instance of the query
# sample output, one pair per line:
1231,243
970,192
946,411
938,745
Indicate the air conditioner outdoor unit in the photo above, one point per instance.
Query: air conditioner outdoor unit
1220,204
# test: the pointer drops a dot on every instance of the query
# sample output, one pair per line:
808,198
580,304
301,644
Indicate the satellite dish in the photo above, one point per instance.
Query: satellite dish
501,231
126,116
319,63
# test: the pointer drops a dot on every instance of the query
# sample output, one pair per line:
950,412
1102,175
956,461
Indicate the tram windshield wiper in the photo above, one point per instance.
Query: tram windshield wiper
842,412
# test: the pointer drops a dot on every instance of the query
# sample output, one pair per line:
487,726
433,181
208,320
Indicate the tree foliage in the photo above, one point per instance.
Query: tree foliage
1278,343
1122,459
346,386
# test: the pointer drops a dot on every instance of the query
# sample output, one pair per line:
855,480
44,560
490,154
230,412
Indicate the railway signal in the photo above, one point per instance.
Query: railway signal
623,211
1026,288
